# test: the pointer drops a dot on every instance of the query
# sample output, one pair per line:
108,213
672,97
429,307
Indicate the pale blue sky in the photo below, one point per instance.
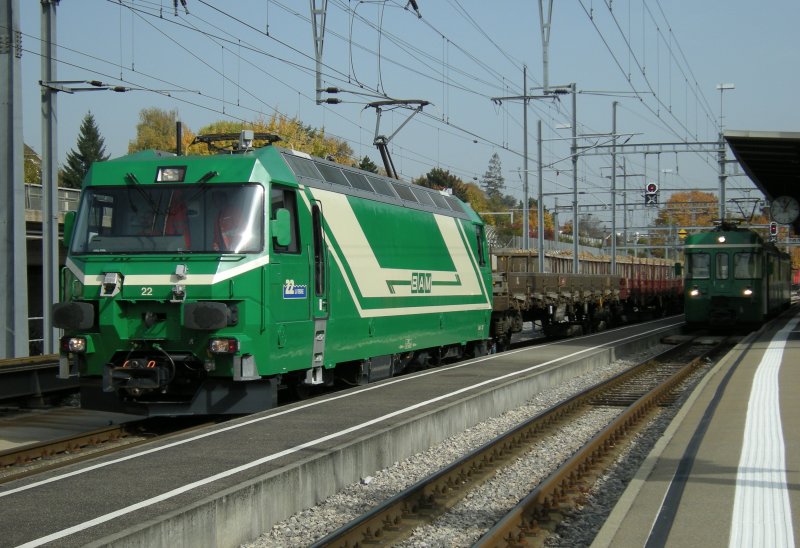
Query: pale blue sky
251,58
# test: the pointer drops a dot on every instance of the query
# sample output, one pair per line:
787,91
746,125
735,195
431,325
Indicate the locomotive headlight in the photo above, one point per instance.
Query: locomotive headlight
747,292
171,174
694,292
73,344
223,346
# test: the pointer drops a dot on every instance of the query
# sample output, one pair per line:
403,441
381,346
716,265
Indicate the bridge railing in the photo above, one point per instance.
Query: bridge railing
67,198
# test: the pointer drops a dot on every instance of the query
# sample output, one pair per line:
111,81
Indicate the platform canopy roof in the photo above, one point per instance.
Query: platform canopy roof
771,159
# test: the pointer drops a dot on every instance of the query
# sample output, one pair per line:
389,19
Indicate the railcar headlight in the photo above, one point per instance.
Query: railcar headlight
223,346
694,292
73,344
747,292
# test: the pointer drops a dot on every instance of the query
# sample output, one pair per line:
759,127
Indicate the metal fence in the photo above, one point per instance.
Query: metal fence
67,198
67,201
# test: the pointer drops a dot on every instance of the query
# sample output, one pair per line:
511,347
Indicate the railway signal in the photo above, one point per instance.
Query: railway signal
651,194
773,231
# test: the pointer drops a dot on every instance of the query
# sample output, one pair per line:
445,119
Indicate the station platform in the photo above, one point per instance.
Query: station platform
727,471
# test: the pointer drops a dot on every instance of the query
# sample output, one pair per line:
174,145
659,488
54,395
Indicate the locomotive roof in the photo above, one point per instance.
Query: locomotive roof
307,170
319,173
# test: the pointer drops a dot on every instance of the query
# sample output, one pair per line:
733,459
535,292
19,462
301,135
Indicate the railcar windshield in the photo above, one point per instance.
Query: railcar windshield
698,266
745,266
170,219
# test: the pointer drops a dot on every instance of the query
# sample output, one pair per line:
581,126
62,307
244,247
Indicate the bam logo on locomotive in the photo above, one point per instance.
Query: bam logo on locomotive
292,291
421,282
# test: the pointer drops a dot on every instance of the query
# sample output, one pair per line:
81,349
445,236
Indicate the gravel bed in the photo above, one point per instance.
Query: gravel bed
580,528
505,491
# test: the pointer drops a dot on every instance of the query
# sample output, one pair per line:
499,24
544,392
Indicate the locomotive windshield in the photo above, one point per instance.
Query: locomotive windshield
170,219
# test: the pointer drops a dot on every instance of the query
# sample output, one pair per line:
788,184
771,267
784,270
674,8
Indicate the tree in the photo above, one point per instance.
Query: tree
683,209
293,135
441,179
157,129
692,208
91,148
33,166
493,180
368,165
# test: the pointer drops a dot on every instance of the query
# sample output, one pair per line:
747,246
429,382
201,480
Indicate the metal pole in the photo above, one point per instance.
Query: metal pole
526,245
556,232
614,188
722,176
318,14
625,203
544,26
50,262
13,263
574,153
721,153
540,202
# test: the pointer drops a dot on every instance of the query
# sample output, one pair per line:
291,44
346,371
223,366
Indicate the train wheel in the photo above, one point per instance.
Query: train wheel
503,343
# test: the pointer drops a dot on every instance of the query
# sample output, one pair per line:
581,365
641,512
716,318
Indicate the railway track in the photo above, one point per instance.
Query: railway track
49,455
636,394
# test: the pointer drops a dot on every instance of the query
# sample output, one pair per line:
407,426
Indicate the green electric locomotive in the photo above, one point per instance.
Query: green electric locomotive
204,284
734,278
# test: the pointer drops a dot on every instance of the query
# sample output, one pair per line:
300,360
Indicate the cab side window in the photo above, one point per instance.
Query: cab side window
480,241
285,198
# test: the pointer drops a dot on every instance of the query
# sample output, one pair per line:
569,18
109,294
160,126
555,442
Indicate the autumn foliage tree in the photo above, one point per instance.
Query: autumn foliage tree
157,129
692,208
687,209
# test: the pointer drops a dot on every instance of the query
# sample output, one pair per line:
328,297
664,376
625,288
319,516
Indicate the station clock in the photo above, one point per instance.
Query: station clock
784,209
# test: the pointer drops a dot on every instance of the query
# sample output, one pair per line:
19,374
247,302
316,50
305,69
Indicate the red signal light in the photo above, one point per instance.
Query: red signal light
773,228
651,188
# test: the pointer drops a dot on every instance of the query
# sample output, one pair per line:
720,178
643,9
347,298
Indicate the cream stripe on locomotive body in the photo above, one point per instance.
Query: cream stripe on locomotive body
224,272
367,280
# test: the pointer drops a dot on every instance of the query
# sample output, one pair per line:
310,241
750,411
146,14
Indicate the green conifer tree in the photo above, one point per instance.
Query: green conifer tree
493,180
368,165
91,148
